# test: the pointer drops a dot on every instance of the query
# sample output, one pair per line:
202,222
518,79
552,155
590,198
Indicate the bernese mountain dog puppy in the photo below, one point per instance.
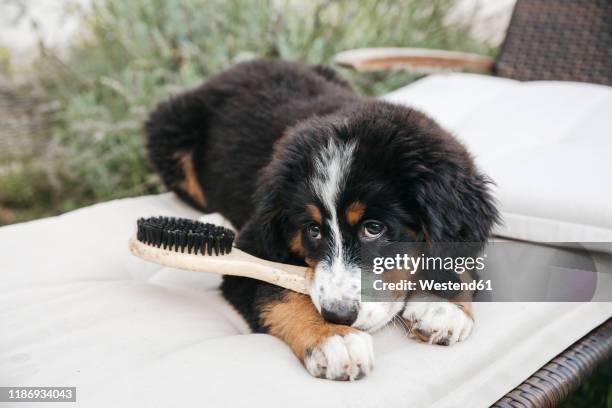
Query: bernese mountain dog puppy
307,170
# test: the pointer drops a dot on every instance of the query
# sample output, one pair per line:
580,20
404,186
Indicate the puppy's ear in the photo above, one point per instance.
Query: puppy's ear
457,207
265,233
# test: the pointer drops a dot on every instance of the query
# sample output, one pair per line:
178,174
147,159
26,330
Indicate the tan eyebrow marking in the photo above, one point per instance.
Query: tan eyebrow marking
354,212
315,213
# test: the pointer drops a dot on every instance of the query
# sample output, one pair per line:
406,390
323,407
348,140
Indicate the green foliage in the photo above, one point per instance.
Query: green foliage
133,53
5,60
596,392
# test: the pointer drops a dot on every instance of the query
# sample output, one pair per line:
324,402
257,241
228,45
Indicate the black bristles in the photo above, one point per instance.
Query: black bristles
183,235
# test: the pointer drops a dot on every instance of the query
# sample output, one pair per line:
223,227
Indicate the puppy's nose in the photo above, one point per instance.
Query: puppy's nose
340,315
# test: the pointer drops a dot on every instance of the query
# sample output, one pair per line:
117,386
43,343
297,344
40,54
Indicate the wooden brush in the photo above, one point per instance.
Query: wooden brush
196,246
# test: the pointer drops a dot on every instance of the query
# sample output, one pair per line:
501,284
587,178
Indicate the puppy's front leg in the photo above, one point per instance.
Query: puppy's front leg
327,350
438,321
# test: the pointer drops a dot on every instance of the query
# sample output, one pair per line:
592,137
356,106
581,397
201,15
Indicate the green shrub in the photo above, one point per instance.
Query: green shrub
134,53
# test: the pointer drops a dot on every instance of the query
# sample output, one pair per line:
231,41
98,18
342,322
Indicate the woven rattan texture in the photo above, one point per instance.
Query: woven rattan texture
566,40
552,383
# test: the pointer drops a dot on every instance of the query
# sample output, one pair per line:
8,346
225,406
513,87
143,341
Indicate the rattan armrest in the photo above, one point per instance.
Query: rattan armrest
377,59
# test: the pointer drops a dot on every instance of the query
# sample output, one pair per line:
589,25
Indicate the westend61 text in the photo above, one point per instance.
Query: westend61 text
431,285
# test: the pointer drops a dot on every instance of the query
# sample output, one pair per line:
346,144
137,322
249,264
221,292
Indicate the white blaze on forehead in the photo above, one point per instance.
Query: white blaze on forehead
332,166
338,280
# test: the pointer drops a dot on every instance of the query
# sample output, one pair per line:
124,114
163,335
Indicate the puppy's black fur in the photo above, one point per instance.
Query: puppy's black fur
251,134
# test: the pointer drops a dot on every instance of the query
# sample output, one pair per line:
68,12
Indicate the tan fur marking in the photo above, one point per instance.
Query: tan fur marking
296,245
412,233
310,273
295,320
315,213
312,267
426,234
298,248
466,307
354,212
464,299
191,185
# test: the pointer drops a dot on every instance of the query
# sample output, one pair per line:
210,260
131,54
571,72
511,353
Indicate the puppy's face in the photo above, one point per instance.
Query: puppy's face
373,174
342,205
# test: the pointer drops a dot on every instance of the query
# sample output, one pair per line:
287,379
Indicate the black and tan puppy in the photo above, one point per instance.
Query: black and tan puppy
307,170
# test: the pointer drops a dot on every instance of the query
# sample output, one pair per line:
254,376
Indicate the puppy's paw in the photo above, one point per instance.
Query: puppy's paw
440,322
342,357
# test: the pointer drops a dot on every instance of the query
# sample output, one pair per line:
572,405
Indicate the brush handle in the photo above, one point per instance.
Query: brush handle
236,263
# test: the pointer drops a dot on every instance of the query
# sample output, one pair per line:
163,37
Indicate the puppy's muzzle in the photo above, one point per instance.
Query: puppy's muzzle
340,312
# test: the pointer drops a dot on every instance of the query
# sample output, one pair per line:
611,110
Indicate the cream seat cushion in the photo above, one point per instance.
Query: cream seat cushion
76,309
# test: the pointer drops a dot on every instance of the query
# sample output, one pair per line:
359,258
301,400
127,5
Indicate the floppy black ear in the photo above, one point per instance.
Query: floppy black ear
457,207
265,233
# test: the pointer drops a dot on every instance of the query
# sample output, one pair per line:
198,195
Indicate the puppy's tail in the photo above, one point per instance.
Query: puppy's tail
174,130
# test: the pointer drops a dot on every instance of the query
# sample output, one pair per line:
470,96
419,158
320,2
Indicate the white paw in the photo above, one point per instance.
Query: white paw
439,322
343,358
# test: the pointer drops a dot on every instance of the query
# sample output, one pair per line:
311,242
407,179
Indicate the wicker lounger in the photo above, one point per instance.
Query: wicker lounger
546,40
556,380
553,40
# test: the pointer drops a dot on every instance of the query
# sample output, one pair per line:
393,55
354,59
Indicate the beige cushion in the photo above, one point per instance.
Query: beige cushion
76,309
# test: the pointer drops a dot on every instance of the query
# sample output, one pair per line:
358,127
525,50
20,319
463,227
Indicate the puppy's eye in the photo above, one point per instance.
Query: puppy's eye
314,231
372,229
